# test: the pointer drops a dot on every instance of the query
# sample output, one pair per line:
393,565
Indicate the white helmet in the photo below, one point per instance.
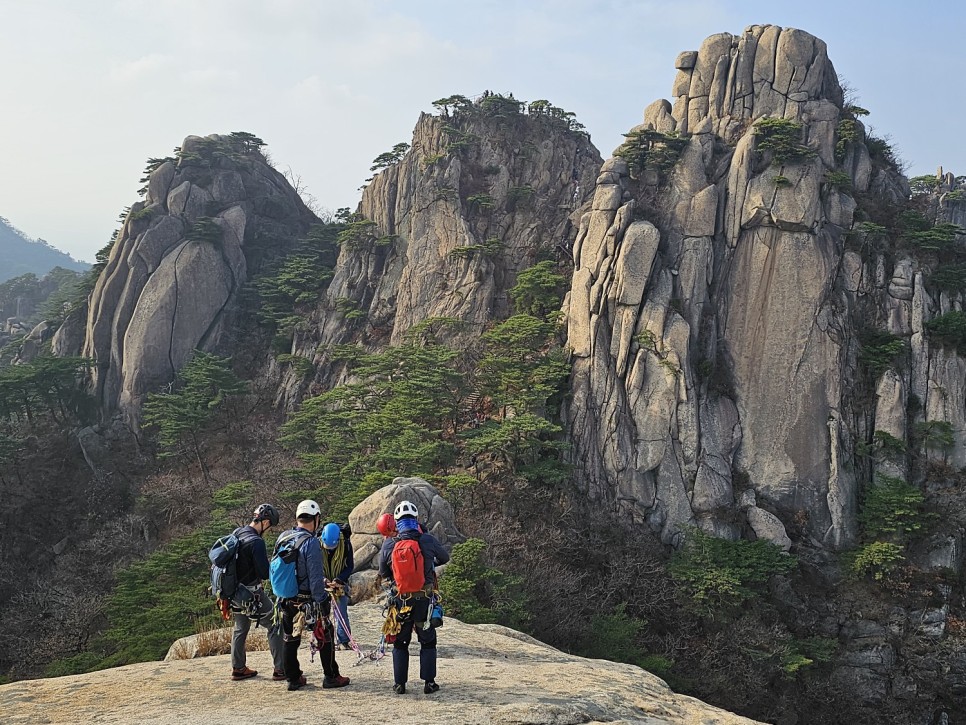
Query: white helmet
405,508
308,508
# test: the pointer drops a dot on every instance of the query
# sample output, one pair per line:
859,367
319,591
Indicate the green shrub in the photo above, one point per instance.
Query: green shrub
879,351
847,133
938,238
838,180
205,230
934,434
888,443
881,150
878,560
481,200
891,509
518,197
949,277
389,158
781,181
357,233
431,160
782,138
538,290
956,195
924,184
614,636
476,593
301,365
949,330
715,574
490,248
648,149
145,213
870,229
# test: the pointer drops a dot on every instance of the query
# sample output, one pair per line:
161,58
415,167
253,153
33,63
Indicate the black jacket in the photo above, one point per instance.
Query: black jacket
252,557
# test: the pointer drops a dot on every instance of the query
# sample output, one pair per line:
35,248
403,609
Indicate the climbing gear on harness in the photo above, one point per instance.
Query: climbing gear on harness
436,610
319,636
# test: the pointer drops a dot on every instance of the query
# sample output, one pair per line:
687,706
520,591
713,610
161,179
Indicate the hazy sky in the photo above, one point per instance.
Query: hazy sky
90,89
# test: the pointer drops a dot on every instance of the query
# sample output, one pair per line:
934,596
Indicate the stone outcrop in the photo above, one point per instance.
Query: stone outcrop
435,514
173,275
476,199
717,306
476,661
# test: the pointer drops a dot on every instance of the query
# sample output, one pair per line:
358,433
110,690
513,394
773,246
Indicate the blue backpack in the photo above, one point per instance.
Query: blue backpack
282,571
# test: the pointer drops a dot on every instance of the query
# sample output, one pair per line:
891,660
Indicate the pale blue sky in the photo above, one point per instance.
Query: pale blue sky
89,90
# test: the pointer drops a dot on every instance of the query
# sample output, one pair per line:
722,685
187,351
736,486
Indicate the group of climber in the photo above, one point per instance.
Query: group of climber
318,560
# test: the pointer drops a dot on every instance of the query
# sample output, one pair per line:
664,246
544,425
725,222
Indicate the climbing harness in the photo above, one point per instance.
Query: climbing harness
320,636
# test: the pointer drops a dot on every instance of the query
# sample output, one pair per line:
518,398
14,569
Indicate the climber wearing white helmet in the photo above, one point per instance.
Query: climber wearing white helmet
307,603
409,561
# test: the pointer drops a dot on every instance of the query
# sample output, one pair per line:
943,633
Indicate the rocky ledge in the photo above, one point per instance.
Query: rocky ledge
488,674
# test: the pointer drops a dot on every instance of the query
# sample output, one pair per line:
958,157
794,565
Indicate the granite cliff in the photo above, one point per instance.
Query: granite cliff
172,278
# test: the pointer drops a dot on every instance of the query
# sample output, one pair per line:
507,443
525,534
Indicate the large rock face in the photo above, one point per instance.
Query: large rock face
171,282
476,199
716,306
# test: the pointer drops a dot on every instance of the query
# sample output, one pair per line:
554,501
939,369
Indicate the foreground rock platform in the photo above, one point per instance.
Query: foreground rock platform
487,674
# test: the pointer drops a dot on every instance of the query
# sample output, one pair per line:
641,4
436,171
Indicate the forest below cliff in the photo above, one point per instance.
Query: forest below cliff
698,407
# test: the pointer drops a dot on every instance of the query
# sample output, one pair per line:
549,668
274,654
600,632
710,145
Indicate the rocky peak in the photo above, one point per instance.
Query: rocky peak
710,318
485,190
171,280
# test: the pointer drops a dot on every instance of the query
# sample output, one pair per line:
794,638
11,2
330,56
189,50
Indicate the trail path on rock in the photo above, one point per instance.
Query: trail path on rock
488,674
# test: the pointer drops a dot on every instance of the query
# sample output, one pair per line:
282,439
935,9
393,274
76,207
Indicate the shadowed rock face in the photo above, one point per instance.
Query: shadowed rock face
714,309
475,200
169,287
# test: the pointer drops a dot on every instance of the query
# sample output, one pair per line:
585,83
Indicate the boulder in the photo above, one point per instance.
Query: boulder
435,515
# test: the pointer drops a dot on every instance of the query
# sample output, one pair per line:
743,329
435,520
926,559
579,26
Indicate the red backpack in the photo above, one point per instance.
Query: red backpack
407,566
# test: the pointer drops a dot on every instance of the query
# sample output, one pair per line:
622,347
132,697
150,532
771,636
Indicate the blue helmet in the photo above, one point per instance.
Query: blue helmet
330,536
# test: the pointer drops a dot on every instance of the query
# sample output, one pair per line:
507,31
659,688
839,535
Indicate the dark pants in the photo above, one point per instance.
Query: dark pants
415,619
293,671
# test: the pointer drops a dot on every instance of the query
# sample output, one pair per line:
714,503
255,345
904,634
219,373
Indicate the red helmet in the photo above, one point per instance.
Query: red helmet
386,525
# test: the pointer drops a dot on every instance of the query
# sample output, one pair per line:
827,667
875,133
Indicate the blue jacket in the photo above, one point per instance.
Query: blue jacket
433,555
308,568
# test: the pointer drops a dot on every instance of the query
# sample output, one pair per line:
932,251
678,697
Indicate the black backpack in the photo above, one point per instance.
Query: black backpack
224,568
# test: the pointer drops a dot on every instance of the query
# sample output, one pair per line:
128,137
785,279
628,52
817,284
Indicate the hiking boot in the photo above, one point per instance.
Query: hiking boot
343,646
399,689
278,675
430,687
243,673
330,682
297,684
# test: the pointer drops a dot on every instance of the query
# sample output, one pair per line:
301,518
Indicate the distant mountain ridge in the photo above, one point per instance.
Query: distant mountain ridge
19,254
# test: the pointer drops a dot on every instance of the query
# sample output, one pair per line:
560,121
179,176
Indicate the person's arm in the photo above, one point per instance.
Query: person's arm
349,564
439,553
385,557
260,559
312,552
